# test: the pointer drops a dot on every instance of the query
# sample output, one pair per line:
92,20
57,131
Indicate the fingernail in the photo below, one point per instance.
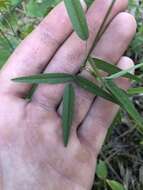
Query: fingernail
126,63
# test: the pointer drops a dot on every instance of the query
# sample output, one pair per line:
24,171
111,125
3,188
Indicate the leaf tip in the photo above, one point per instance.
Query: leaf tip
14,80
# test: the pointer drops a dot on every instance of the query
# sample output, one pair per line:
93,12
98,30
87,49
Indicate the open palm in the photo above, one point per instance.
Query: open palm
32,154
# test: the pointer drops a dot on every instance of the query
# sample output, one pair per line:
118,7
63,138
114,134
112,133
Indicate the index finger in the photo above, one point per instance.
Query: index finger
34,53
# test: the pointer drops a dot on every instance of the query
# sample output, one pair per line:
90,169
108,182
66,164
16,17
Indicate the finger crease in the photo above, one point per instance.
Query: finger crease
46,107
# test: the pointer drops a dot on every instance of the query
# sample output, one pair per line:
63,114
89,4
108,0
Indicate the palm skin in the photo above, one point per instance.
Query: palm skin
32,154
36,155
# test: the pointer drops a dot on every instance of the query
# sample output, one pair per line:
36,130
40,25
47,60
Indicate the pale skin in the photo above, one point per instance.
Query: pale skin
32,154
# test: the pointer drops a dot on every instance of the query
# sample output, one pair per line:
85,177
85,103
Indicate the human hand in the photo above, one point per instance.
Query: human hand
32,154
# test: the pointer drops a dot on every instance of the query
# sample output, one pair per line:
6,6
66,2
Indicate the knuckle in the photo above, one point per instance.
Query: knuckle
43,103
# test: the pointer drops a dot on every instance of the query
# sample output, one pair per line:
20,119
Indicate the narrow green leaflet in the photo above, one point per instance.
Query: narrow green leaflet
112,69
93,88
101,170
125,102
133,91
114,185
50,78
124,72
68,110
78,18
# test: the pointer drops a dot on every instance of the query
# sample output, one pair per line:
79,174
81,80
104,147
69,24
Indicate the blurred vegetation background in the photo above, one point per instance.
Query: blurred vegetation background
122,153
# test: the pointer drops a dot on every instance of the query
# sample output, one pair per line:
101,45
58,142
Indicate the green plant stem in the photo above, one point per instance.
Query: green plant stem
95,70
96,73
100,32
